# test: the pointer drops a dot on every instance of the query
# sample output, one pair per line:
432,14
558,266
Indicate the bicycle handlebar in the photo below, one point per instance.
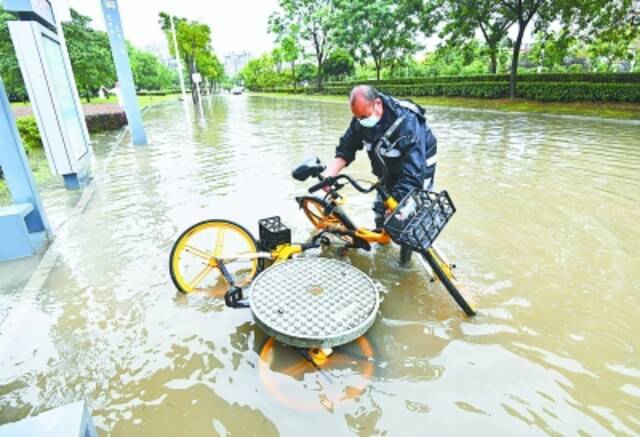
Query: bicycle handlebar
333,180
323,183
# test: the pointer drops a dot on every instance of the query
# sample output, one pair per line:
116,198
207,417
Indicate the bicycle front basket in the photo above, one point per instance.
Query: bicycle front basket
419,218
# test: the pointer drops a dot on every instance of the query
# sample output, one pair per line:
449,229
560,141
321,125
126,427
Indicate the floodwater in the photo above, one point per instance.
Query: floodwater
546,235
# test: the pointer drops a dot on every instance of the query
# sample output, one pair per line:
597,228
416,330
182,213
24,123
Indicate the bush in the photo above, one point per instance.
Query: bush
543,77
564,92
28,129
288,90
545,91
156,92
487,90
105,121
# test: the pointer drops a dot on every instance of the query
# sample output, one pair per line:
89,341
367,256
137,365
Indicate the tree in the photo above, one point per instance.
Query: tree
382,30
611,34
307,73
291,52
568,12
550,50
211,68
312,22
261,74
339,64
452,60
85,47
194,44
464,17
148,72
9,68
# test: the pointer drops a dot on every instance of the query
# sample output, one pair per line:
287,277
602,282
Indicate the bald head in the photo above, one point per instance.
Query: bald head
365,102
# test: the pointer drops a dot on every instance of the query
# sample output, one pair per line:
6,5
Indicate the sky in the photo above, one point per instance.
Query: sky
236,25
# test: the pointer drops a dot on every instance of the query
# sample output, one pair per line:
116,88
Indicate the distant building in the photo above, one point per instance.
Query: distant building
161,51
235,62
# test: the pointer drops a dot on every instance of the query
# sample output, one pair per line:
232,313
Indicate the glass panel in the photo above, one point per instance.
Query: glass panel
64,94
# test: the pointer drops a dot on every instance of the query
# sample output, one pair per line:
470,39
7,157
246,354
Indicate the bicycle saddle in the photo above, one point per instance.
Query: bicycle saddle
309,167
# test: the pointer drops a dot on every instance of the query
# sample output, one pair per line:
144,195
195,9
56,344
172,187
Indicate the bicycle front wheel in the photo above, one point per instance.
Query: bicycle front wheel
444,273
348,371
193,261
315,208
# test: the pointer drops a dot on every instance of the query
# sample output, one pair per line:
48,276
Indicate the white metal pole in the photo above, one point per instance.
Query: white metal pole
175,46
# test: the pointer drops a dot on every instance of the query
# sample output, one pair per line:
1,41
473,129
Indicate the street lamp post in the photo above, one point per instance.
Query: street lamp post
175,46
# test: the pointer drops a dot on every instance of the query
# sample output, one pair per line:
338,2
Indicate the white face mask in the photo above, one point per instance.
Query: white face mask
370,121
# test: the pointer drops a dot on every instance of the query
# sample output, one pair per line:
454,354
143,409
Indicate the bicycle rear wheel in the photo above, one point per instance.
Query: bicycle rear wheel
443,271
193,264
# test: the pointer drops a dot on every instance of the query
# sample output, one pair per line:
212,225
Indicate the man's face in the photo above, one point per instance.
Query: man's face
361,108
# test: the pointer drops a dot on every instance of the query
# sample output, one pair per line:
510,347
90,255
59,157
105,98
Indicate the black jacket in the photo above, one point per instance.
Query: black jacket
414,145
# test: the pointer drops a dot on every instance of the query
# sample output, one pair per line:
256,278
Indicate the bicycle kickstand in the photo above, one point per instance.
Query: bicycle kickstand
234,297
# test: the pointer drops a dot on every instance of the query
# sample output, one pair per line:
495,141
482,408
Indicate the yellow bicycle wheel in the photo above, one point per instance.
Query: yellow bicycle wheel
351,367
193,262
314,210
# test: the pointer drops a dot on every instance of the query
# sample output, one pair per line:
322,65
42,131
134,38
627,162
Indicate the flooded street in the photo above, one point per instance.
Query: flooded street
546,236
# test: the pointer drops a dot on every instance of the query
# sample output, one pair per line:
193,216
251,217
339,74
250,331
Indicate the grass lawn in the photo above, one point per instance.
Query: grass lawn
625,111
142,100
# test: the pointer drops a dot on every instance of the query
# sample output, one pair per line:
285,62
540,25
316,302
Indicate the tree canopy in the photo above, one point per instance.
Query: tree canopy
194,45
475,36
91,60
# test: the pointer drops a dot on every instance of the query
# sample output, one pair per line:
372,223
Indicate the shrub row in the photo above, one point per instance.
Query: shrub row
544,91
105,121
288,90
563,92
157,92
30,135
542,77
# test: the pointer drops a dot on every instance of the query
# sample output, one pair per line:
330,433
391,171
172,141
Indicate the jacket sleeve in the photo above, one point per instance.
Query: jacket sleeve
410,144
349,144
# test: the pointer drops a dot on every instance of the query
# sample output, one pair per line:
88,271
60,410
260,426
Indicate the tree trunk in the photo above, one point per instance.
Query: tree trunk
378,68
194,90
293,74
88,96
516,56
493,66
319,74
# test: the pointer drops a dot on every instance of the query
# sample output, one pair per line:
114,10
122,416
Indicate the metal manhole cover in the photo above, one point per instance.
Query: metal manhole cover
314,302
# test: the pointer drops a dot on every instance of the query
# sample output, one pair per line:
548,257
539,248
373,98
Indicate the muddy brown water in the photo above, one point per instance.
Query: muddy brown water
547,236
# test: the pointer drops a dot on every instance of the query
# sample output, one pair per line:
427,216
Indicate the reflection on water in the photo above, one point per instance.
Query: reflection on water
546,235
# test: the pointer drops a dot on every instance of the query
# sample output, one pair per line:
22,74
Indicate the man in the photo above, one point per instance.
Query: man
411,162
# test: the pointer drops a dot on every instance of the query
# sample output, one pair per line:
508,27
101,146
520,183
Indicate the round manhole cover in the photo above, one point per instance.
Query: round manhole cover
314,302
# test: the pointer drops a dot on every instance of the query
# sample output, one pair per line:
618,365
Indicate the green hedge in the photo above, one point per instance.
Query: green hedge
288,90
542,77
564,92
487,90
29,133
545,91
157,92
105,121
